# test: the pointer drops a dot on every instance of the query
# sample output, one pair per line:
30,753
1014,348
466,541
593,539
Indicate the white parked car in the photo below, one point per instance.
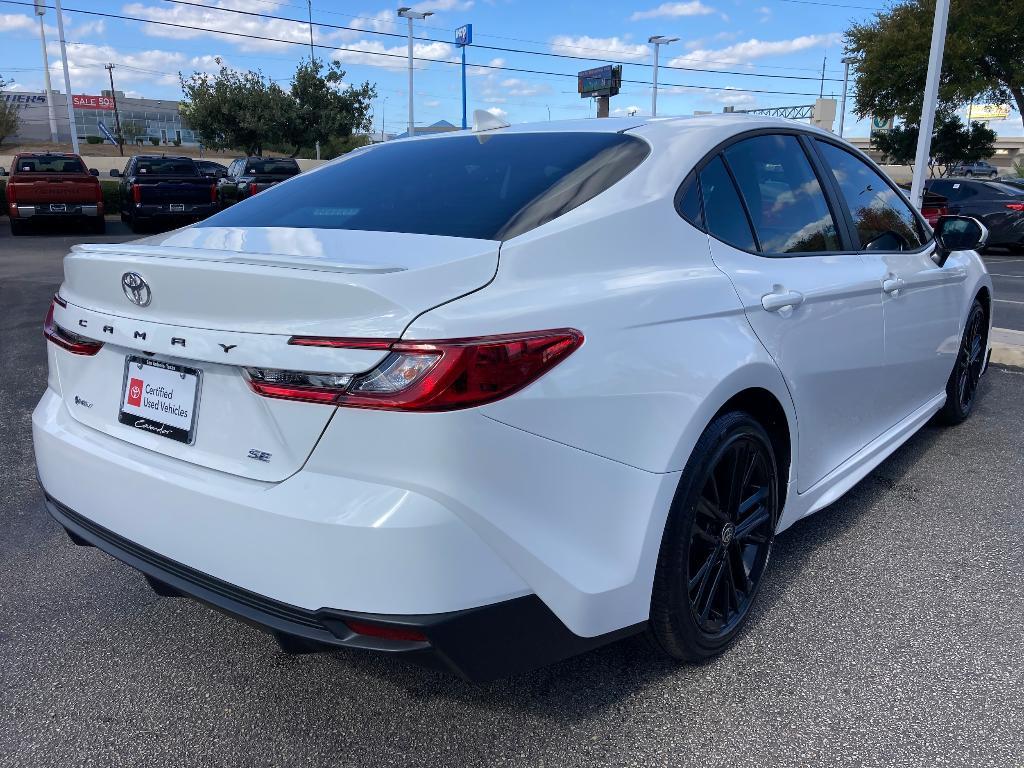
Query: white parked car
486,400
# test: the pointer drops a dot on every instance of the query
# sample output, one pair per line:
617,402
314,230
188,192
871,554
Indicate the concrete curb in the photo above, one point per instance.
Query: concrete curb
1008,347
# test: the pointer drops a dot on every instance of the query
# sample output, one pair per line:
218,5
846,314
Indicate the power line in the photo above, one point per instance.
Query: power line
243,35
834,5
551,54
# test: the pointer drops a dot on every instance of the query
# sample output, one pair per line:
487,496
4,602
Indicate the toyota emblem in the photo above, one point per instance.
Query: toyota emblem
136,289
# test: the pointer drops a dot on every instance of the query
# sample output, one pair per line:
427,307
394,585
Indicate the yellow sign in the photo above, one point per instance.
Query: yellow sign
988,112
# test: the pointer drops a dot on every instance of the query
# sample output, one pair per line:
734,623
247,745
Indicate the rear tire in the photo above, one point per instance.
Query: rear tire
717,540
136,225
18,227
962,386
98,226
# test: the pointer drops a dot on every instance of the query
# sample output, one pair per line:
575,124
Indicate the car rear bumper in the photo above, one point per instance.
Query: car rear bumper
478,644
163,210
71,210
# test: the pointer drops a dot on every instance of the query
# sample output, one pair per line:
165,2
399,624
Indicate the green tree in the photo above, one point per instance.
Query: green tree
952,143
983,59
325,108
237,110
10,119
131,130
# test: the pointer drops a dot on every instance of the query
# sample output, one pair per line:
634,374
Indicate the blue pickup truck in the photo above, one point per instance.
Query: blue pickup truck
165,189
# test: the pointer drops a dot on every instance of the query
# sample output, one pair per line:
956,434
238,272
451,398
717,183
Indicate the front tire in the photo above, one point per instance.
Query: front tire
962,385
717,540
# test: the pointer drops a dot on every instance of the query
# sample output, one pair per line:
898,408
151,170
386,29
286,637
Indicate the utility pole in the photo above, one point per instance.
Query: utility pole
821,90
40,12
847,61
312,55
658,40
117,115
931,96
67,78
410,14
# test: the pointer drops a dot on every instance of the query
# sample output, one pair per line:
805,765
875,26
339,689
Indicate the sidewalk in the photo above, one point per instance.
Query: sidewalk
1008,347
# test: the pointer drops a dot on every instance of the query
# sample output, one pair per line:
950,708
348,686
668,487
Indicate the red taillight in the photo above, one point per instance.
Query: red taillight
213,193
136,193
12,194
253,187
386,632
1015,206
426,375
99,193
65,339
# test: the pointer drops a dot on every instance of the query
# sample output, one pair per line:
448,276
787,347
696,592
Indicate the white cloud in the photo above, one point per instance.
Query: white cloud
479,71
749,50
86,62
498,112
16,22
625,111
438,6
765,12
513,86
674,10
369,54
613,46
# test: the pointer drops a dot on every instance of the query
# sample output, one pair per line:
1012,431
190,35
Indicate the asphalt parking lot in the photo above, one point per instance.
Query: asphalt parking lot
1008,281
888,633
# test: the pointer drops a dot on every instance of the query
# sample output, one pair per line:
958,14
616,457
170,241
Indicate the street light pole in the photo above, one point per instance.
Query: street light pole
847,61
40,11
67,78
410,14
658,40
931,95
117,115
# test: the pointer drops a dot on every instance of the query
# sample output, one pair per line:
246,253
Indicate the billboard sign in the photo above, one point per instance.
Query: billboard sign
600,81
988,112
92,102
464,35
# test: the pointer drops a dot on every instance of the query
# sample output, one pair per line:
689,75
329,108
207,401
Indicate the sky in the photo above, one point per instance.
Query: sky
743,53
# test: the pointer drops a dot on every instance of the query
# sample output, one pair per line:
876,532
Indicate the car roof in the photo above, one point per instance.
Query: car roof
48,154
163,157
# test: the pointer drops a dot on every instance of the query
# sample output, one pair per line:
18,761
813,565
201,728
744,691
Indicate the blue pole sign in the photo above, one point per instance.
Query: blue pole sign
464,37
105,132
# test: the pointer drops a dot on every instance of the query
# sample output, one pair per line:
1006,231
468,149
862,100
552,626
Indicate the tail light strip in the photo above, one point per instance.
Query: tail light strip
65,339
439,375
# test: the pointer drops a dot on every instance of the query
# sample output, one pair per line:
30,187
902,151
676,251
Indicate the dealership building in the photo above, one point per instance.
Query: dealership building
154,118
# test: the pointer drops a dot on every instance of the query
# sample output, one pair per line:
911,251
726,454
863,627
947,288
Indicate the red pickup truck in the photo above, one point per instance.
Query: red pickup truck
46,186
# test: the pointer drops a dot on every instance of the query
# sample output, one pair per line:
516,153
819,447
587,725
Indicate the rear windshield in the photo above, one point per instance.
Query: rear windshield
489,187
166,166
50,164
279,167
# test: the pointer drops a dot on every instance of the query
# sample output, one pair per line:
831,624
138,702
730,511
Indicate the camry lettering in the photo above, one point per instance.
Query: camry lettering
177,340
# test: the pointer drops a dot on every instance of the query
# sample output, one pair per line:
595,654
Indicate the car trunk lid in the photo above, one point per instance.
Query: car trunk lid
220,300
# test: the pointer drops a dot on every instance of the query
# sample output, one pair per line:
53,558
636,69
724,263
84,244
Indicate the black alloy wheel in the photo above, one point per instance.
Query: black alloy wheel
718,540
962,387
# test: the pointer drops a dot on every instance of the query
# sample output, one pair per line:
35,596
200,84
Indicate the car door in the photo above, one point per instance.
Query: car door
812,302
921,301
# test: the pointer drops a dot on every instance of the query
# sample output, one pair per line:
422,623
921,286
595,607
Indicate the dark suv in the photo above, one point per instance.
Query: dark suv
997,205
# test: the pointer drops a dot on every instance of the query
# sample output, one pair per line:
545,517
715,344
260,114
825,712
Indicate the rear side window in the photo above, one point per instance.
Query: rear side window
166,166
688,201
49,164
882,219
782,193
723,211
277,167
491,187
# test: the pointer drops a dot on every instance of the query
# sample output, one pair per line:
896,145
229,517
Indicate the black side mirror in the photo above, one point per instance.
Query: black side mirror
958,233
93,172
114,173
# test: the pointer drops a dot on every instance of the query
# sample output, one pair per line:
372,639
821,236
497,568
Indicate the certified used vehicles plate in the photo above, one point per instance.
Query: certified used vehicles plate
160,397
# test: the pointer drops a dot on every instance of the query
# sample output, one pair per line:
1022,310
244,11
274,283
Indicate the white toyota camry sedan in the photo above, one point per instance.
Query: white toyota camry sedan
489,399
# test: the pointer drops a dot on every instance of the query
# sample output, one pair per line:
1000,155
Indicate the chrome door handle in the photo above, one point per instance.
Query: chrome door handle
779,300
893,285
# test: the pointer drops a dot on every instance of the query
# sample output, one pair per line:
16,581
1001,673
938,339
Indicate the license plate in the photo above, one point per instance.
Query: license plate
177,207
58,208
160,398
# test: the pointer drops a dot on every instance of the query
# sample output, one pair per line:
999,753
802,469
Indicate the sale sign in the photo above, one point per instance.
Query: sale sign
92,102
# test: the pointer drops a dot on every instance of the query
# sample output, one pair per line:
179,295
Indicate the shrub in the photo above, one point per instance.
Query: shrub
94,139
111,195
176,142
154,141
